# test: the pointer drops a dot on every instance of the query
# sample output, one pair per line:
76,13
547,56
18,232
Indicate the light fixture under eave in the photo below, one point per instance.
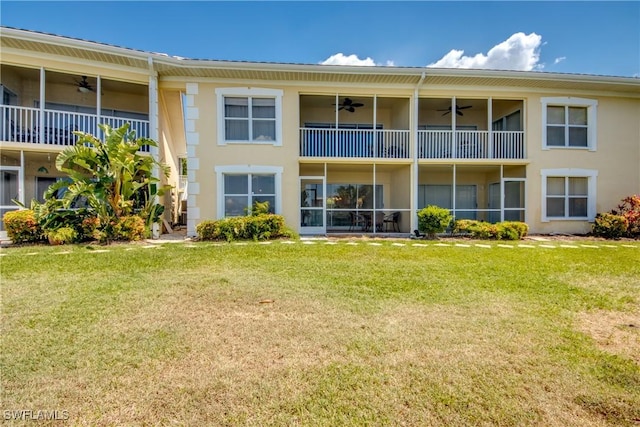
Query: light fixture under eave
42,169
83,90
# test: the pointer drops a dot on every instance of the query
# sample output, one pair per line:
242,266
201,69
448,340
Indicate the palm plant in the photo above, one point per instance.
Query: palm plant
113,175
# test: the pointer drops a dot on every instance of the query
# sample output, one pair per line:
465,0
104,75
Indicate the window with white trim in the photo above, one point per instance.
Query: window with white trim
247,115
568,194
239,187
569,123
241,191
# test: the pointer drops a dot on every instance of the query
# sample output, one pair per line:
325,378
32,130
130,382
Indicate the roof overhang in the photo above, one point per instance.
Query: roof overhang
176,68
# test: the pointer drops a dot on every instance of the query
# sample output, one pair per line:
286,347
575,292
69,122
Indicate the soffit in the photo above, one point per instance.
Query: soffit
87,54
286,73
190,69
543,81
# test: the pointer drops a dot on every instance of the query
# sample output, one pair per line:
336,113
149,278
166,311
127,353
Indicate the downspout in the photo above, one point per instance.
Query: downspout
416,175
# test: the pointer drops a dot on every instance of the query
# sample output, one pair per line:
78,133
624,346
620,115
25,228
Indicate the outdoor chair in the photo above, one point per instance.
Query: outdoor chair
357,220
393,220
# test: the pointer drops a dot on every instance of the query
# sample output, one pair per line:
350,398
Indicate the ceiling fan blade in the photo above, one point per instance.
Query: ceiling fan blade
464,108
351,109
445,109
459,113
347,101
357,104
340,107
445,113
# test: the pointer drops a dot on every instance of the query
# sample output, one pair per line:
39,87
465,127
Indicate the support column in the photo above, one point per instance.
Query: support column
193,162
99,103
153,131
41,120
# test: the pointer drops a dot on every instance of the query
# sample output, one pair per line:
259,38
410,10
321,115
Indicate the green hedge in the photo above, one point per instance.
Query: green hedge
254,227
506,230
433,220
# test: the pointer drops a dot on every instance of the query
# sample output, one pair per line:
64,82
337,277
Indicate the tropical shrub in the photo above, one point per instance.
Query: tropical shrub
22,226
130,227
114,177
630,209
506,230
91,228
433,219
610,226
62,235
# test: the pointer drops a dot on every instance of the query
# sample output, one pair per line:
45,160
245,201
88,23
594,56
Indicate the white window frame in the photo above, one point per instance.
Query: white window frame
591,176
245,170
567,101
244,92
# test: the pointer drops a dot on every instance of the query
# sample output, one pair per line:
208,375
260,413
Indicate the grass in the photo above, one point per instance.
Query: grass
300,334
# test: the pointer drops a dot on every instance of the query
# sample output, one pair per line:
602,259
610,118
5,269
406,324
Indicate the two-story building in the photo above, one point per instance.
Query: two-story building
332,148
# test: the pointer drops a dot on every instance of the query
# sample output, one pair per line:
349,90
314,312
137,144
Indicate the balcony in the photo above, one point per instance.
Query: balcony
395,144
446,144
24,125
45,107
378,144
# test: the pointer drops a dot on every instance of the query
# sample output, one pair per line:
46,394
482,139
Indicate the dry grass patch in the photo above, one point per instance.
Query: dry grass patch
614,332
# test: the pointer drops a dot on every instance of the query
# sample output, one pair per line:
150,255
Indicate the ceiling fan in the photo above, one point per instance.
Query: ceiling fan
349,105
84,85
458,112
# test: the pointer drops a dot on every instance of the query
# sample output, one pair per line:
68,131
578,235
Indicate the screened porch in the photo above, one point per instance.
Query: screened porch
343,125
372,199
46,107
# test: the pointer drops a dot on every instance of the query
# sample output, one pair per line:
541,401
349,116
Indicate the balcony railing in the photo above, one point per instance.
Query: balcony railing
382,144
22,124
446,144
395,144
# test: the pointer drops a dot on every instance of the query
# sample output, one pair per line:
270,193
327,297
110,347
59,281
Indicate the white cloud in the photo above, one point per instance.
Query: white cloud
342,59
559,60
519,52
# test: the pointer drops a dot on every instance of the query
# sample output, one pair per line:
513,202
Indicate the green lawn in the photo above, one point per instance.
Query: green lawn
319,334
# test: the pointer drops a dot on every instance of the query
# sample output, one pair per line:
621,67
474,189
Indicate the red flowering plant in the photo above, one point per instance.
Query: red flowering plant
630,209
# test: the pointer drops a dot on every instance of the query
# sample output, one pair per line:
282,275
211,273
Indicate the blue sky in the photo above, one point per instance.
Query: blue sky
600,38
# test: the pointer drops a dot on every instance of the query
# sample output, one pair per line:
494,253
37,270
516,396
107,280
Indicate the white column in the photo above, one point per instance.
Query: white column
375,128
98,104
42,102
193,162
454,136
490,126
153,131
21,179
453,189
415,169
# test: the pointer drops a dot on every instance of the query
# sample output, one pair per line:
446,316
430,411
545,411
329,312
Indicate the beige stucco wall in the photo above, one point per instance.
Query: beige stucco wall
617,159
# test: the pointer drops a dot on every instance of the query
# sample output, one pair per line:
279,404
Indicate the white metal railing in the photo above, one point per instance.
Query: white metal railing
386,144
24,124
446,144
508,145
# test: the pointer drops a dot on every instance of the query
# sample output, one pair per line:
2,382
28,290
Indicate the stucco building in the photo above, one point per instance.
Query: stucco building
332,148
